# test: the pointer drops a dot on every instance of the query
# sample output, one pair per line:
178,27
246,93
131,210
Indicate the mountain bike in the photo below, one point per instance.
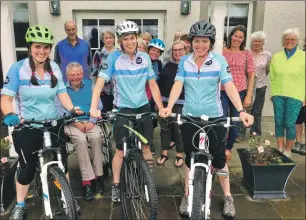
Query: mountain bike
202,173
137,187
50,183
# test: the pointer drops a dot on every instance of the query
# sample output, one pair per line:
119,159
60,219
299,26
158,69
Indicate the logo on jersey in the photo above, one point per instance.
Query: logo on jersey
178,70
6,81
209,62
228,69
138,60
104,66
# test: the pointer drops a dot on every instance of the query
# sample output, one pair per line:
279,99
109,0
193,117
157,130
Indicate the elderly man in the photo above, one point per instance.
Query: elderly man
85,132
73,49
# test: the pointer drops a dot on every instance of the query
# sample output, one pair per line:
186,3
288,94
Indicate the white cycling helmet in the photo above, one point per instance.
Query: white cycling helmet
126,27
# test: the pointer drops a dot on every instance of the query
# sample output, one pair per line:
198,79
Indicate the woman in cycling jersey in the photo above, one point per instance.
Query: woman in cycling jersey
129,70
35,82
201,73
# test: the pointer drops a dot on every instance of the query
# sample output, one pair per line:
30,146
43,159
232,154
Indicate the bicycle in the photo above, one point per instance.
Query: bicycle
137,187
50,182
107,149
201,173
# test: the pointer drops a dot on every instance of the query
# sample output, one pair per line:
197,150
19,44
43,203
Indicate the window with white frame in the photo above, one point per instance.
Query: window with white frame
20,23
239,13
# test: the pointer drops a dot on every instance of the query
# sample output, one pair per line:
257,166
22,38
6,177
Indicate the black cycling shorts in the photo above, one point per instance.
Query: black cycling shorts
302,116
30,140
145,128
217,142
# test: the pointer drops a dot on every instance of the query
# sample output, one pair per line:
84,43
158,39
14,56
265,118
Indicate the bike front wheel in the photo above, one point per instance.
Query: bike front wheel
60,194
199,191
138,191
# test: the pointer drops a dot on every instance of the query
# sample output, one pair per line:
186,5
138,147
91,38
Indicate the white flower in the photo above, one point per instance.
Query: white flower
254,134
260,149
8,138
271,133
267,143
4,160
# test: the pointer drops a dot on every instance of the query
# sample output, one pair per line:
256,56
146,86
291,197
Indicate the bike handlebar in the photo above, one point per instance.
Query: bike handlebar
133,116
204,120
51,122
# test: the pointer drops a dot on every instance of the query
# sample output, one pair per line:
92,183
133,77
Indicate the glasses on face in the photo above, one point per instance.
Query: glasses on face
290,39
178,50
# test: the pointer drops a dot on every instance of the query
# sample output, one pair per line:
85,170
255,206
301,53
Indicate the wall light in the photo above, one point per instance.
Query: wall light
55,7
185,7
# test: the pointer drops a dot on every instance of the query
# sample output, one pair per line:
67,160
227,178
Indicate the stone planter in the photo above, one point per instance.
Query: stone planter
266,181
7,182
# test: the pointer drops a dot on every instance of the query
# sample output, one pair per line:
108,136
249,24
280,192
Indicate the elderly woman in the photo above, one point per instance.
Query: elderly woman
146,36
242,68
262,59
99,58
287,74
168,128
142,45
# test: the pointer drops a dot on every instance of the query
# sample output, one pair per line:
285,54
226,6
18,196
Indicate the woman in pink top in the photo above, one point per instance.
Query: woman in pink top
241,64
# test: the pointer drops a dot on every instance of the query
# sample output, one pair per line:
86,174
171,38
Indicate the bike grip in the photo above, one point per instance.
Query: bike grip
235,119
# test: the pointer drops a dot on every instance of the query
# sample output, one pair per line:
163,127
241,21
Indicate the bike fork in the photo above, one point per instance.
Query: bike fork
45,189
208,193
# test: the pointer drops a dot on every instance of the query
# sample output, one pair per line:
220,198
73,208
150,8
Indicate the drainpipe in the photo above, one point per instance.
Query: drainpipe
8,52
218,11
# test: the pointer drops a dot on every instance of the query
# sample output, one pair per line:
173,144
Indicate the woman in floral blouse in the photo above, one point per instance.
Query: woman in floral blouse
262,60
99,58
242,68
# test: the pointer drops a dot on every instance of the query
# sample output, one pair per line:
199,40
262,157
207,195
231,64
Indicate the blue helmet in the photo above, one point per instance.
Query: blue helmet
157,43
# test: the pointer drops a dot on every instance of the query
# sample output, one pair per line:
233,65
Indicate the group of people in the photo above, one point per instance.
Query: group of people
133,79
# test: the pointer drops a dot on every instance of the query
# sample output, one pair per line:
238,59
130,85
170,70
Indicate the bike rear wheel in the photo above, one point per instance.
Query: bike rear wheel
138,191
199,191
60,195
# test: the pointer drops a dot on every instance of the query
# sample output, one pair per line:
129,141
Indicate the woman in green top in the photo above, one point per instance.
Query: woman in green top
287,73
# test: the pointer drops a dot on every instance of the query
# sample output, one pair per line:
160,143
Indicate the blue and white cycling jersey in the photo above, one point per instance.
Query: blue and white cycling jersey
202,87
33,101
129,78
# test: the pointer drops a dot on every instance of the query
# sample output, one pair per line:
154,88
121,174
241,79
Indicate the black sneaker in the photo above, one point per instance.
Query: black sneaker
99,185
88,194
115,192
18,212
296,148
303,149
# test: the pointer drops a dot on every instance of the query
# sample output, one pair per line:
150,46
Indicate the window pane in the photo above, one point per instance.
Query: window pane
138,22
21,55
20,23
151,26
238,14
90,32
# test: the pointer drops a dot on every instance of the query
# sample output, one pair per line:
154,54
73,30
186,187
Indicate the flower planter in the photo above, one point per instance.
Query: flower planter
266,181
7,182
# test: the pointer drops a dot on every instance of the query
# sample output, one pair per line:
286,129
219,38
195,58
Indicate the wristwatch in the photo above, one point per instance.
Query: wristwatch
243,110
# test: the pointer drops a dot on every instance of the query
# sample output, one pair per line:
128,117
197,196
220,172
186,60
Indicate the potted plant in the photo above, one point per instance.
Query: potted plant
265,169
8,167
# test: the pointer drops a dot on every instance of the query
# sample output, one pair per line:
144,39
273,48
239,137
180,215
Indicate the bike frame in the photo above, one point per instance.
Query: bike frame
44,172
203,148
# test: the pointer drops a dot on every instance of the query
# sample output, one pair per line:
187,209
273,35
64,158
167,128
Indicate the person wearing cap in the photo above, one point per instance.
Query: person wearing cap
131,69
201,73
35,81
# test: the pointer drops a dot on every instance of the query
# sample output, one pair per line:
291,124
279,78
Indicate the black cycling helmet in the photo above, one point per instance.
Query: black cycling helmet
203,29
